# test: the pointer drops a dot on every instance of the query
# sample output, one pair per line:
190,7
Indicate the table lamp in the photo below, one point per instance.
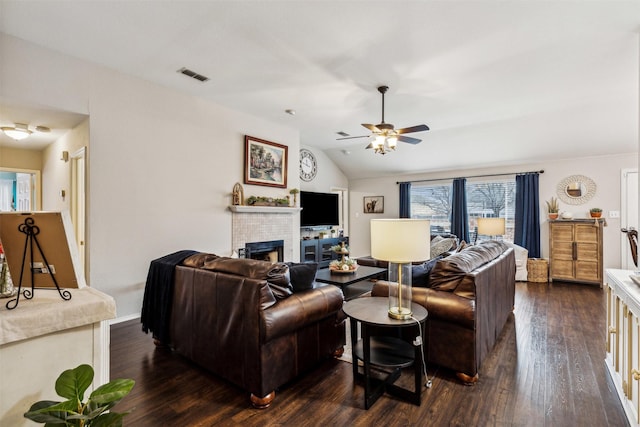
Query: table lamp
401,242
491,226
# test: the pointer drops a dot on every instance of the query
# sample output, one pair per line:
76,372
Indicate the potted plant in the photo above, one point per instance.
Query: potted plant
72,384
552,208
595,212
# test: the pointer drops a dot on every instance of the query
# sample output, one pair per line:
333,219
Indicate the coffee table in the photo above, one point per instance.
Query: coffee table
350,283
384,351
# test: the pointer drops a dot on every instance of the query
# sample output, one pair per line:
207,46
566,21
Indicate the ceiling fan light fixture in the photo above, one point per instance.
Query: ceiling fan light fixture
18,132
392,141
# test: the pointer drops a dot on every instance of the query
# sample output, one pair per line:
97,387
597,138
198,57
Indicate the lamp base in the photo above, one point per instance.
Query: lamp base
400,313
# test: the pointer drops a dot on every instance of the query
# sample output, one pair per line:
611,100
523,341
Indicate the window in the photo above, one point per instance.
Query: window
488,199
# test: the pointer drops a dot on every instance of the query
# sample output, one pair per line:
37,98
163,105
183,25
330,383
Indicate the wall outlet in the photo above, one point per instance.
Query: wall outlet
614,214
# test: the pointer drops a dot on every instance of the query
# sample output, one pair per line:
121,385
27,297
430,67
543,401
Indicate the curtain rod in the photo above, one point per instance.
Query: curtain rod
472,176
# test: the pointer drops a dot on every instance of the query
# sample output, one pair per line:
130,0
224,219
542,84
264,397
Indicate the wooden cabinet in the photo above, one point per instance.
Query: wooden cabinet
319,250
622,340
575,250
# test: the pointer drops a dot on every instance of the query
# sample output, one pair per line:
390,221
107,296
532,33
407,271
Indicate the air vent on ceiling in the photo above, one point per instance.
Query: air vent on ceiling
193,74
341,133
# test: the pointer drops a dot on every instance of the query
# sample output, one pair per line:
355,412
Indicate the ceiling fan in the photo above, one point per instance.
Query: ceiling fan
386,137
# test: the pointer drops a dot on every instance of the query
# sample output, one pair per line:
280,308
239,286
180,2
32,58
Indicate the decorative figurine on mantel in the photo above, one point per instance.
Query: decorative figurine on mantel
237,195
295,192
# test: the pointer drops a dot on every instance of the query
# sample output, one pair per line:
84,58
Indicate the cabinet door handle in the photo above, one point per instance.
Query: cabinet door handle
636,374
612,330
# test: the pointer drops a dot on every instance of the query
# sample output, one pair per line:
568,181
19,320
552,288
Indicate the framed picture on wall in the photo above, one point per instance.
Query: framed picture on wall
374,204
265,163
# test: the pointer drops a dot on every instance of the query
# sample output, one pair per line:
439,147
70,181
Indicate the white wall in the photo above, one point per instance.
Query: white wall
603,170
56,174
162,164
328,176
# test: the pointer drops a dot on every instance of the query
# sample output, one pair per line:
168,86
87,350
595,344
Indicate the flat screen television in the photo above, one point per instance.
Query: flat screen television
319,209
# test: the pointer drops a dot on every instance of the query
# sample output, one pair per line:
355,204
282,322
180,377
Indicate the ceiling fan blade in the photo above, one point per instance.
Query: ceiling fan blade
372,128
409,139
418,128
353,137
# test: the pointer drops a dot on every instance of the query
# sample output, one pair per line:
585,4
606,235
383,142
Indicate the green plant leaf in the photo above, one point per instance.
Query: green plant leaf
112,419
72,383
112,391
40,412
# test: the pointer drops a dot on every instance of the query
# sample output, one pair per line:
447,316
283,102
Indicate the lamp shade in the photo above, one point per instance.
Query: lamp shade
491,226
400,240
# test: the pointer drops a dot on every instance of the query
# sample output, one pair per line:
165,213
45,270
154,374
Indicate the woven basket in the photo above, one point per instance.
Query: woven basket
537,270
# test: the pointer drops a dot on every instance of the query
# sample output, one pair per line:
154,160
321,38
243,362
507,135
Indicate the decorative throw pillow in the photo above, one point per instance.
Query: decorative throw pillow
437,238
461,246
420,273
302,275
441,246
279,280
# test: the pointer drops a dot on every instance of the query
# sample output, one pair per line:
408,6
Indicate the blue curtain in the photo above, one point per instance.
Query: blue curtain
527,227
405,200
459,217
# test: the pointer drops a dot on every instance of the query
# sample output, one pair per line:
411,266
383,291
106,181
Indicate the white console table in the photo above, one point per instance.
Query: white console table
44,336
623,339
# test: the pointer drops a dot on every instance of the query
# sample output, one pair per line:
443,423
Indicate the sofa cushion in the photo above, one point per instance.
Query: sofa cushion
302,275
276,274
448,272
420,273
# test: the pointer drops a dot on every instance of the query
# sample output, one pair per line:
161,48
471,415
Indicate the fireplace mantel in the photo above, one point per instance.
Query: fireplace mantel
264,209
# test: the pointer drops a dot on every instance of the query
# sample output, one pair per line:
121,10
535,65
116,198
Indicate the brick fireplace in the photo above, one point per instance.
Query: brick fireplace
254,224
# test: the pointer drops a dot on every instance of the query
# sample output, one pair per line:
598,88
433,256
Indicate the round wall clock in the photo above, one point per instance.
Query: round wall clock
308,165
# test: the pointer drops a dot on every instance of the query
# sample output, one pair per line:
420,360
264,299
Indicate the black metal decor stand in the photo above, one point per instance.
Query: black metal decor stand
31,231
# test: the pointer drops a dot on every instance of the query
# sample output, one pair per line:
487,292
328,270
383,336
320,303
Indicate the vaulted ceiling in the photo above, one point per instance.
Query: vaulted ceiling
498,82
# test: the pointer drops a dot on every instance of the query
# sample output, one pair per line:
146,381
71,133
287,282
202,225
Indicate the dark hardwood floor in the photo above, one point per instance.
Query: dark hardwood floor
547,369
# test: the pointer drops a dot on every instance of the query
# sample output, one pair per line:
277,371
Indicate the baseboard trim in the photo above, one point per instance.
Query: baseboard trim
124,319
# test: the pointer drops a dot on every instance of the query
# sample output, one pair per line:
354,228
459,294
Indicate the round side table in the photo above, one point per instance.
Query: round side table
383,351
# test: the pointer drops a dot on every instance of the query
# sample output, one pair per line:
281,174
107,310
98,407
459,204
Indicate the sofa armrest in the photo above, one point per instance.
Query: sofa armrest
299,310
441,305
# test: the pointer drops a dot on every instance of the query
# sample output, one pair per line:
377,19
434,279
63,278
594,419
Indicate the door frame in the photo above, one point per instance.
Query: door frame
626,209
37,190
78,206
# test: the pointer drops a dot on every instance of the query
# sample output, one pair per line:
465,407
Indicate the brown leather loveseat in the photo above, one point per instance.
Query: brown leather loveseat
469,296
243,320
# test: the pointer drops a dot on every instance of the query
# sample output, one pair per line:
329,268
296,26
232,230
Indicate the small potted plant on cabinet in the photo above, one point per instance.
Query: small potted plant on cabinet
595,212
552,208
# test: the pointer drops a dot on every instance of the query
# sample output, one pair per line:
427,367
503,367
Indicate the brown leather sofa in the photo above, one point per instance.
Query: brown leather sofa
242,320
469,297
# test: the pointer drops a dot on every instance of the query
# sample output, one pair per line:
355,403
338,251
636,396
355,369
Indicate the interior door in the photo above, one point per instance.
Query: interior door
629,213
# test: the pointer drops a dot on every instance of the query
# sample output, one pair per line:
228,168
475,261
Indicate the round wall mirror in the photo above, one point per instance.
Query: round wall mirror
576,189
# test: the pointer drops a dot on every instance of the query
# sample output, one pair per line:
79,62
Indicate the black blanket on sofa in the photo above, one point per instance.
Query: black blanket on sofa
158,293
